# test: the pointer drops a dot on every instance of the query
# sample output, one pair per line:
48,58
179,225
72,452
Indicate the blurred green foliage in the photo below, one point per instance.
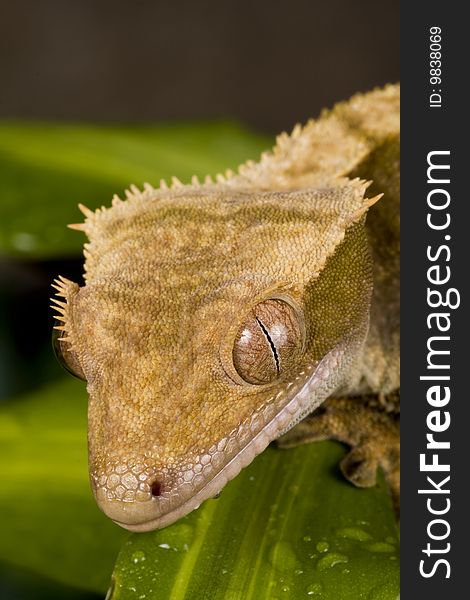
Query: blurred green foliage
47,169
51,524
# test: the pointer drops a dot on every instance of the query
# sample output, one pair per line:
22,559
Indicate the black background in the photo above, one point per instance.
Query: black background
423,130
266,63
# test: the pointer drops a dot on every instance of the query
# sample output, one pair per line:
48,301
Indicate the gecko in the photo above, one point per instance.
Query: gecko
261,305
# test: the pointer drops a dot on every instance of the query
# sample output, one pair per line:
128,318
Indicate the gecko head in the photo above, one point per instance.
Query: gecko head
210,322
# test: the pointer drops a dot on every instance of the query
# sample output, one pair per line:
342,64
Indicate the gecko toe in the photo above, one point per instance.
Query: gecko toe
359,467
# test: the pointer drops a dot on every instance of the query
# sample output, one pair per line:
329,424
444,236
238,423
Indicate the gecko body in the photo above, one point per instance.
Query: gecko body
219,316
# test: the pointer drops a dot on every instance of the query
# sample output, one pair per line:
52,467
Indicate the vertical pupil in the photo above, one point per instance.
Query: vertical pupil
271,343
268,341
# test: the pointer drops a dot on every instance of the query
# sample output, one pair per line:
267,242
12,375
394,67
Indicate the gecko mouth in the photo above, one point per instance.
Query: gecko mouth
162,507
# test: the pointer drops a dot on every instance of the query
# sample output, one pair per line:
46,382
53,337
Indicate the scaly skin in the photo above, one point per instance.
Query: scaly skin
216,316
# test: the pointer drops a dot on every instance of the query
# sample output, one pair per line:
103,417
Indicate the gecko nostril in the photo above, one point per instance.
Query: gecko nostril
156,488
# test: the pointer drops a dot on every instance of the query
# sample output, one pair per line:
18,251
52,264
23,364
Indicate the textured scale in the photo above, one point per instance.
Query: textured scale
171,276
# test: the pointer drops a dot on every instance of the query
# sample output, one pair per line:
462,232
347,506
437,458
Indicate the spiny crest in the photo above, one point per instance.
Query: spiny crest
97,223
63,286
64,289
332,145
175,183
92,217
319,154
85,210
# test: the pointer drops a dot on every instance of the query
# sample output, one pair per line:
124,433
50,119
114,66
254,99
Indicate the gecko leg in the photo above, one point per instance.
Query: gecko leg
370,425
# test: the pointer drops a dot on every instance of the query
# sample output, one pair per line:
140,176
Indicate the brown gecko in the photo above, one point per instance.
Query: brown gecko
218,316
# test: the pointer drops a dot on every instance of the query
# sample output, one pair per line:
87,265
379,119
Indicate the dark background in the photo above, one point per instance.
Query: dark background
266,63
426,129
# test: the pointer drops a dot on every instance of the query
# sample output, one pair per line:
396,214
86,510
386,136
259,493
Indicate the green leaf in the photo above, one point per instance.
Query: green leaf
47,169
50,522
289,526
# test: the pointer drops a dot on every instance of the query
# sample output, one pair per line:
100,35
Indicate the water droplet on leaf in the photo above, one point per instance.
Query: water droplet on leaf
354,533
315,589
330,560
138,556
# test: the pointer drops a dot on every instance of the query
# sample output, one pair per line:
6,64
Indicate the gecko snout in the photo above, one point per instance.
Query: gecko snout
130,494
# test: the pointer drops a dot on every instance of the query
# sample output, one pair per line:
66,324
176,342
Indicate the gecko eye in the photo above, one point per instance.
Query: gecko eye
268,342
65,356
